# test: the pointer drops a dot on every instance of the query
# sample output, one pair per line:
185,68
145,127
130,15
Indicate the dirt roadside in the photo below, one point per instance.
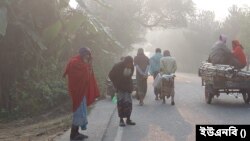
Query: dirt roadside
41,128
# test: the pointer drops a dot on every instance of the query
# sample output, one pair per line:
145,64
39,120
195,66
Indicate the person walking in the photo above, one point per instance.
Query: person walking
155,68
167,67
141,63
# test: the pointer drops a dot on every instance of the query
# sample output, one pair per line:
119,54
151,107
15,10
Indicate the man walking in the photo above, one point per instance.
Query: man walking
167,67
155,68
141,63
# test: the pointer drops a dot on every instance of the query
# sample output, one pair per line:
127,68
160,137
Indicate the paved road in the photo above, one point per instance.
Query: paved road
163,122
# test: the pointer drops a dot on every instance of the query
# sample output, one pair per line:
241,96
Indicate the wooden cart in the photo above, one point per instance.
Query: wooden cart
219,79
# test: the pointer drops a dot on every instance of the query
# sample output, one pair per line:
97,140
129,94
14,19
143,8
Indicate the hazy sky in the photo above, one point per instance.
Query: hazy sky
73,3
220,7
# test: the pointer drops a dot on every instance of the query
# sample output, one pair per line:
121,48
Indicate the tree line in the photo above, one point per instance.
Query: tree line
203,30
37,37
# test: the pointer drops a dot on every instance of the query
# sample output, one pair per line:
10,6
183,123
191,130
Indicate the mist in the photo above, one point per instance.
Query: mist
174,41
39,38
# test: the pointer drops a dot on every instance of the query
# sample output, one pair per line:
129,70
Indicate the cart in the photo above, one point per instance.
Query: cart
167,87
219,79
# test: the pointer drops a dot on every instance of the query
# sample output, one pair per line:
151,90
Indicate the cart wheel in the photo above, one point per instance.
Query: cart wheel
246,97
208,94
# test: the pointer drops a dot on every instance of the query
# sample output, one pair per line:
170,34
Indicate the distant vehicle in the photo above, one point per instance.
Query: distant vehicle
110,90
219,79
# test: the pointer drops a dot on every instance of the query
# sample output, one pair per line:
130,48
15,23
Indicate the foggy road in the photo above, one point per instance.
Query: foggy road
162,122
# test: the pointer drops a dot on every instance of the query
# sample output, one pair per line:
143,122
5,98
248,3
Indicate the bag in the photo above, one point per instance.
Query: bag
114,99
157,81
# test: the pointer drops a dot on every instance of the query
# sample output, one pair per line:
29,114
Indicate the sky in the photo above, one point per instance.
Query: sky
220,7
73,3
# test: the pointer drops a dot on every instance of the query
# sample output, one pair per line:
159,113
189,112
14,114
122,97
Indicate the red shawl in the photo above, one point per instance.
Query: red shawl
240,55
81,82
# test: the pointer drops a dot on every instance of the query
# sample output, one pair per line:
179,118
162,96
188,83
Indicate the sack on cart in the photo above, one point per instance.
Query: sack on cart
157,81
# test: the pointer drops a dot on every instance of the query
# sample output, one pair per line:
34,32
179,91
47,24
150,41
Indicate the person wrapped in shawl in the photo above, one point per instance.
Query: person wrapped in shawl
121,77
220,53
141,63
238,53
82,88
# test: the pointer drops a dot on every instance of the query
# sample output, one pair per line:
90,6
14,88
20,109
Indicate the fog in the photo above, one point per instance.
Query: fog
186,28
174,41
191,44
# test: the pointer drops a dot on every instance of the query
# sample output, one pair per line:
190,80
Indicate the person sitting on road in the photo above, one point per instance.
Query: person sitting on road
239,54
168,67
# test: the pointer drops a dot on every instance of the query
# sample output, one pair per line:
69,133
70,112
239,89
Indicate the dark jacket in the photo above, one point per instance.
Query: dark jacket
220,54
121,82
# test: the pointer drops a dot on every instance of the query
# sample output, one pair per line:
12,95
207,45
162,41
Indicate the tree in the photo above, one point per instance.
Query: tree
165,13
129,20
236,26
201,33
37,38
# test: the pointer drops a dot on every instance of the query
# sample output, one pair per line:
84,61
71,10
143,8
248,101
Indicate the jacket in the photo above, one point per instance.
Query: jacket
121,82
155,63
220,54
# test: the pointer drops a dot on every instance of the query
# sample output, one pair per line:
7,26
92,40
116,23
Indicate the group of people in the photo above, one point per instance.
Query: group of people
121,77
221,54
83,88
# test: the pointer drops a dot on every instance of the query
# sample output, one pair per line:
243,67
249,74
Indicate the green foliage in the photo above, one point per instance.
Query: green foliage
39,94
74,22
34,36
40,38
118,20
51,32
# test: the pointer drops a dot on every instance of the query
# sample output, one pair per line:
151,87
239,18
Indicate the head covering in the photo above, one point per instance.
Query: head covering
84,51
236,43
128,59
223,38
122,58
166,53
158,50
140,51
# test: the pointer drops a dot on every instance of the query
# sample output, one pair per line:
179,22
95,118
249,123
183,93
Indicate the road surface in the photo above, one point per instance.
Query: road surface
163,122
